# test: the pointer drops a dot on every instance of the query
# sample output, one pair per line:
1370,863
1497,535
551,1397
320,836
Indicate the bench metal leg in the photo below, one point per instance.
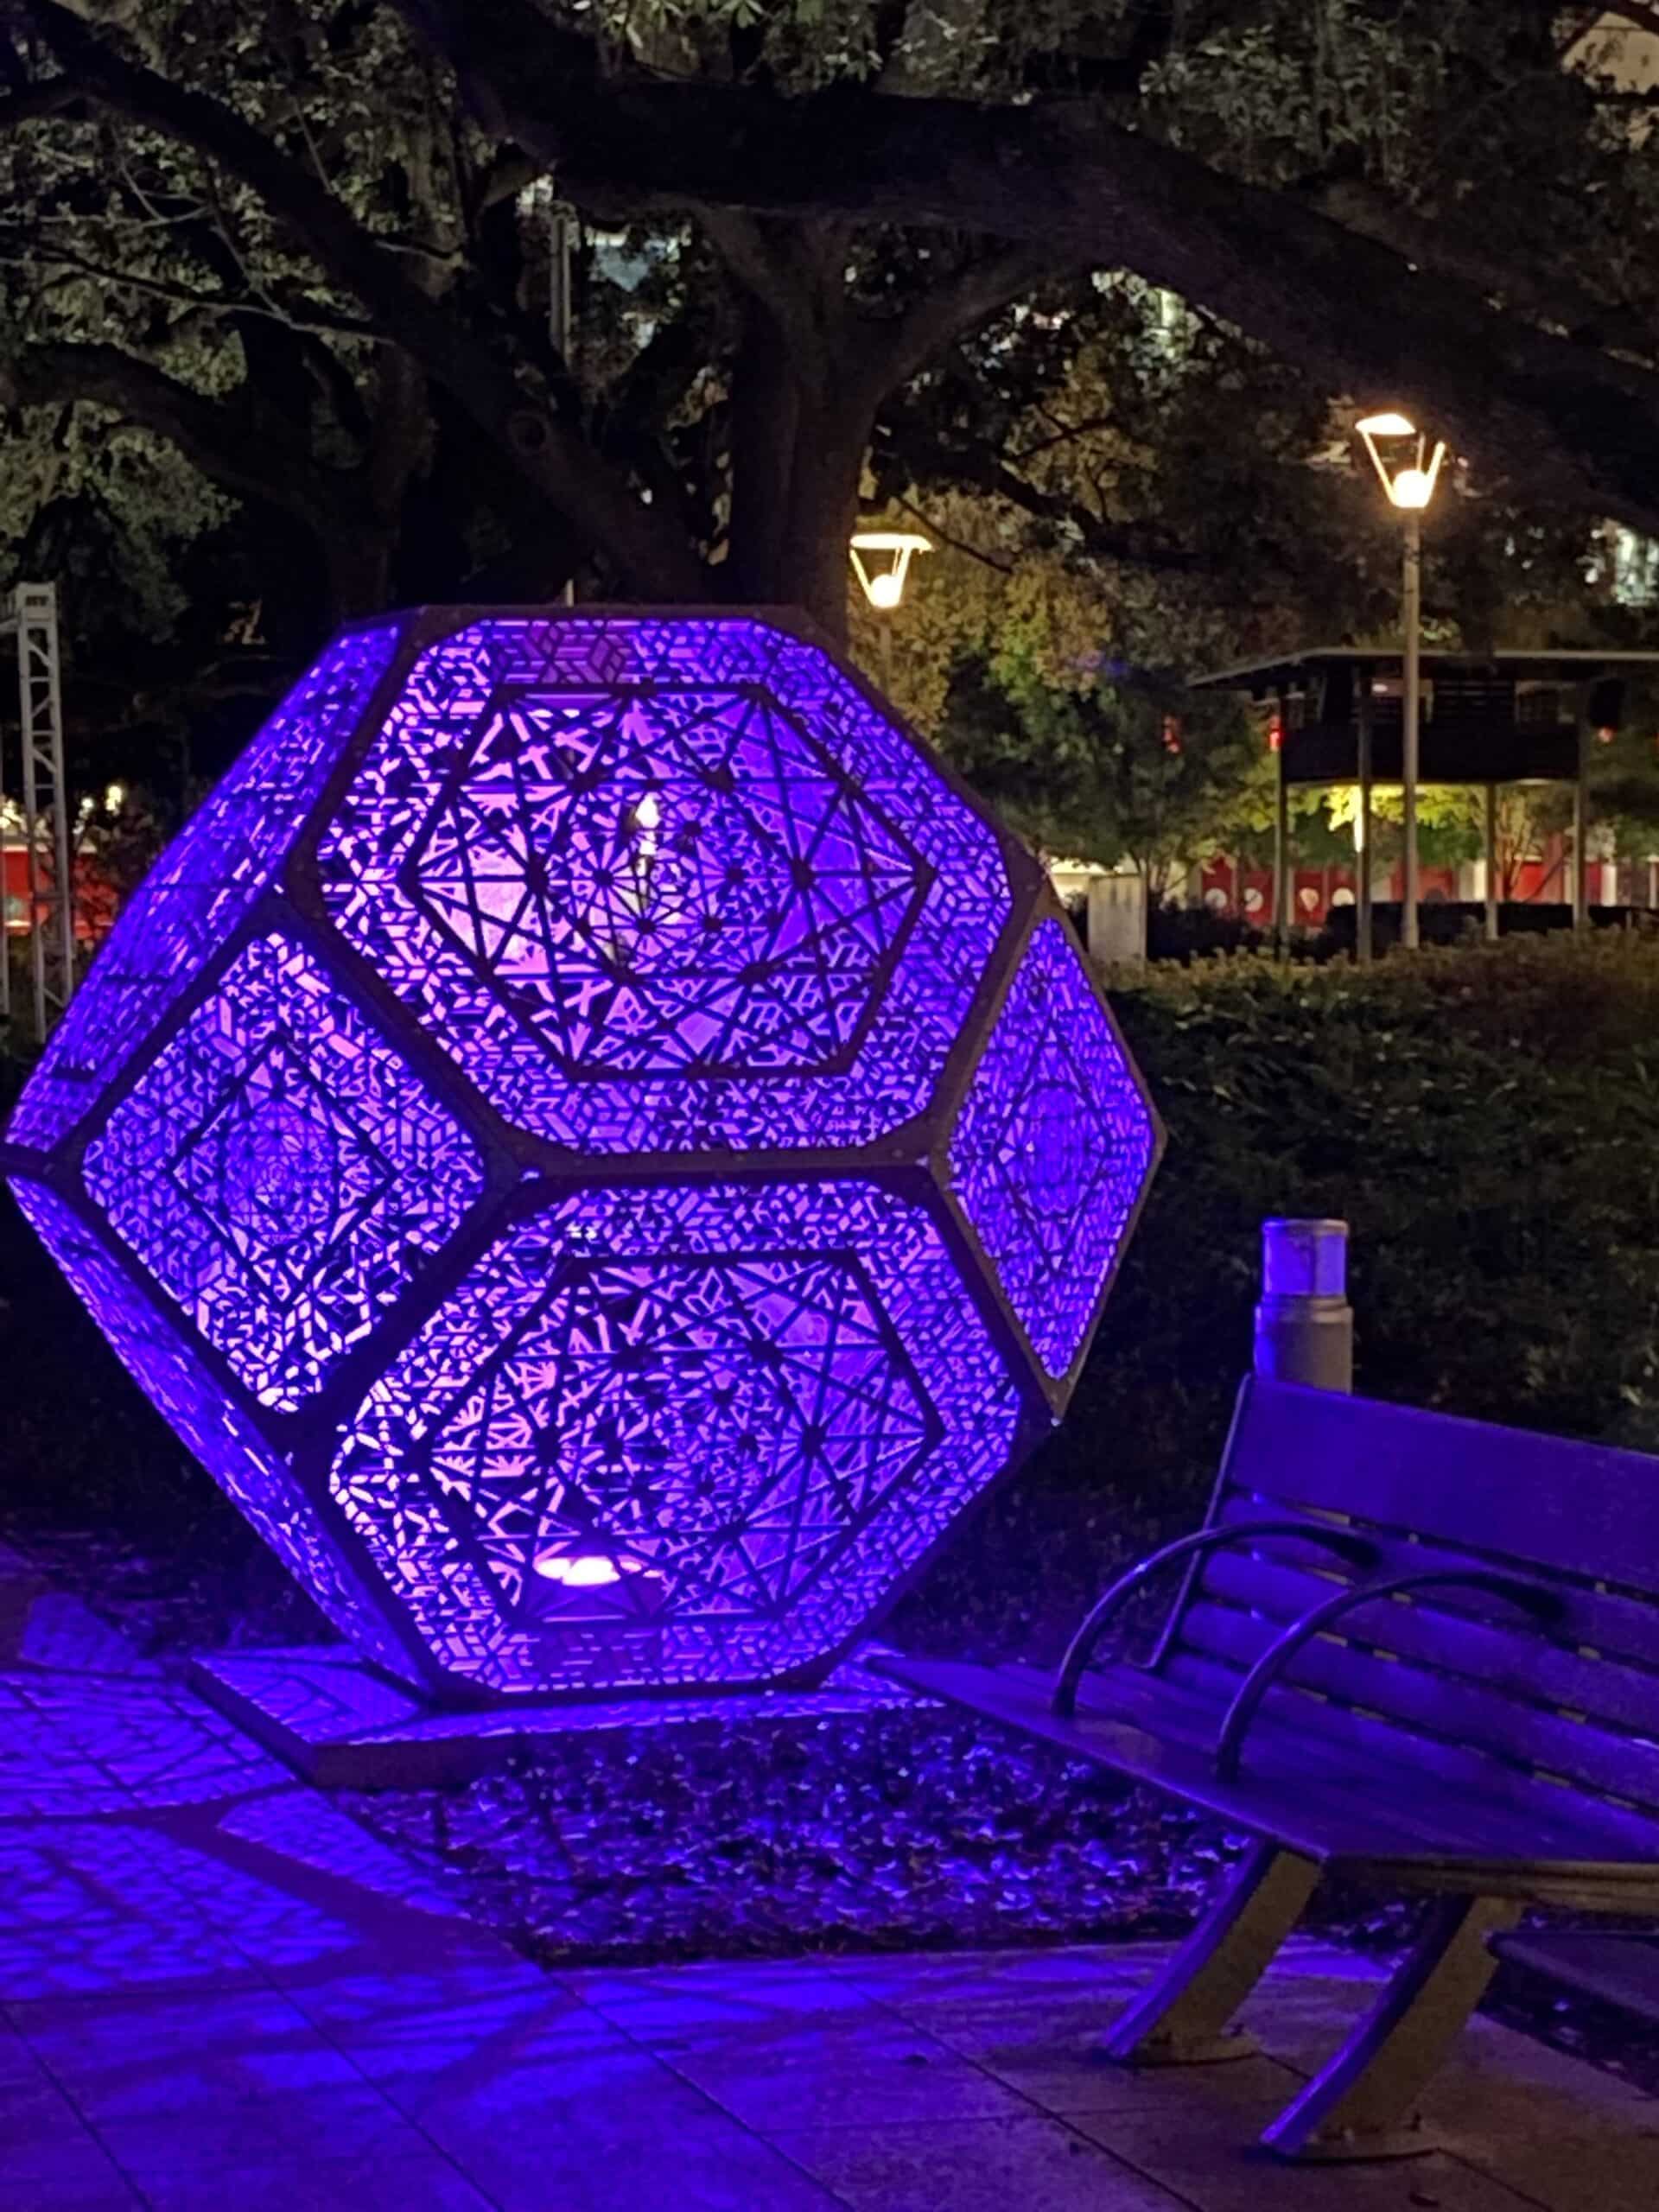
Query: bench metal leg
1361,2105
1182,2019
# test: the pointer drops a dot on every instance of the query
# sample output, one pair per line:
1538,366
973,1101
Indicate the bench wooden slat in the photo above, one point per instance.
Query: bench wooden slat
1605,1620
1445,1788
1492,1741
1582,1509
1622,1970
1439,1701
1341,1822
1540,1668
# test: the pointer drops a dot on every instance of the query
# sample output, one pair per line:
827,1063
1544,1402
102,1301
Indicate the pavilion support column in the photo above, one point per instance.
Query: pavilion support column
1282,838
1492,864
1582,817
1363,945
1411,716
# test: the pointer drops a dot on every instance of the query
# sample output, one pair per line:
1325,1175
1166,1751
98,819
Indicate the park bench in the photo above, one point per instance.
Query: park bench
1619,1970
1418,1652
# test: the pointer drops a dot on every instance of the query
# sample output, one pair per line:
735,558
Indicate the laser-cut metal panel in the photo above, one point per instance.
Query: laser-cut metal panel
235,1455
202,885
607,1192
692,853
280,1173
720,1419
1054,1148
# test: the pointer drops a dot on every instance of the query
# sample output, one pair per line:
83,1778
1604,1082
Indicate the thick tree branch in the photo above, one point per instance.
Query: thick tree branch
31,103
220,436
752,256
654,558
1580,426
961,304
1546,293
949,465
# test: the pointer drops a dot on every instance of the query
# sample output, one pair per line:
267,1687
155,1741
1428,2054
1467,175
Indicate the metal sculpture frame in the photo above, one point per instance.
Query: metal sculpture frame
347,1018
32,623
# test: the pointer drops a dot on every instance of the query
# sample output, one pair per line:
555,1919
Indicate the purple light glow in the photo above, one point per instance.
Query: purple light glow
395,1143
1054,1148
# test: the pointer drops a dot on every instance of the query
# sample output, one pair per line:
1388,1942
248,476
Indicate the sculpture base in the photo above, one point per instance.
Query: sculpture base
340,1726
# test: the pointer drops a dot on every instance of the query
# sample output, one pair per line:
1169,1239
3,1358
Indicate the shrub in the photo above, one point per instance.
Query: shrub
1486,1120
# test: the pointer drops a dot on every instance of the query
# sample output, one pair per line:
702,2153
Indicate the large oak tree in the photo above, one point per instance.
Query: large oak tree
275,245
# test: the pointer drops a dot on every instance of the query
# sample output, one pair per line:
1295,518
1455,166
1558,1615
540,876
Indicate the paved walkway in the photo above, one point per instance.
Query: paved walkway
218,1994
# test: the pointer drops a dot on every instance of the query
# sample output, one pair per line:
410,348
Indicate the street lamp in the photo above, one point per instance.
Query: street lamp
884,585
881,561
1409,473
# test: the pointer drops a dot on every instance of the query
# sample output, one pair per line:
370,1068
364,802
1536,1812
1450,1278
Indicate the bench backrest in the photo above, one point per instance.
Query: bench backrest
1457,1682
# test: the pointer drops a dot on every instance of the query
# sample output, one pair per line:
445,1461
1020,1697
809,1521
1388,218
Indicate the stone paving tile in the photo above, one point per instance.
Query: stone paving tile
566,2121
148,1736
1564,2135
43,2139
1559,2159
1048,2051
420,2180
1025,2164
708,2001
71,2190
914,1984
862,2072
184,2082
1194,2130
457,2019
92,1907
1215,2167
672,2164
62,1636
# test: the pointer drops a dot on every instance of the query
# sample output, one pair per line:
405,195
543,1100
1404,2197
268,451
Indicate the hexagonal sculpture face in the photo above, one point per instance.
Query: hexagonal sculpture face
601,1147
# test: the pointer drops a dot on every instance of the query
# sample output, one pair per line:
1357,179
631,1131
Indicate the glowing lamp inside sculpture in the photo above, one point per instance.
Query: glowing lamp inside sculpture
600,1145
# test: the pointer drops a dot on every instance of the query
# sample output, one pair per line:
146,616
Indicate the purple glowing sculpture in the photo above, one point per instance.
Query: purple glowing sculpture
599,1144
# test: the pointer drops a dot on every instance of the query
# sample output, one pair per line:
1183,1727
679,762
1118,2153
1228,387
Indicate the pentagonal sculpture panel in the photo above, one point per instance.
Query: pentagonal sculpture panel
599,1143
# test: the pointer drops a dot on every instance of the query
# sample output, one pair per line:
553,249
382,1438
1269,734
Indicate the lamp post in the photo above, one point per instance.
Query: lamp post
1407,473
881,561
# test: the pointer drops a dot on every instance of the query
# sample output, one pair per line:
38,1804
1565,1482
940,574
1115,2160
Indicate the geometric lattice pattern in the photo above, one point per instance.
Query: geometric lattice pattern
278,1170
599,1146
202,885
254,1476
1052,1149
694,1429
669,885
704,860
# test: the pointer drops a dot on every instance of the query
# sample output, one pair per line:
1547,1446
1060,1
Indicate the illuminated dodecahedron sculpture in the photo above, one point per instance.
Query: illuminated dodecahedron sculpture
598,1143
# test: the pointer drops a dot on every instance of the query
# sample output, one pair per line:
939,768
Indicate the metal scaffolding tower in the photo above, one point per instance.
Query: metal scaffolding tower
32,621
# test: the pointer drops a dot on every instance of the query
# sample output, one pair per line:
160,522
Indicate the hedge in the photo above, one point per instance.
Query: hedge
1485,1119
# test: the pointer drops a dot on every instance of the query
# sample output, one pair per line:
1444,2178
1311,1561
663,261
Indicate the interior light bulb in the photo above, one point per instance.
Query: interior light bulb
578,1570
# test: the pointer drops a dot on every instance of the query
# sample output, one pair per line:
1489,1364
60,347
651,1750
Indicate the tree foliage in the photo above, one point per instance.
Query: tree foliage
1077,285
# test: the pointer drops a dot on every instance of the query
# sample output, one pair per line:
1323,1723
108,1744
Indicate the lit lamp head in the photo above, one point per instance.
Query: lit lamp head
1405,467
881,561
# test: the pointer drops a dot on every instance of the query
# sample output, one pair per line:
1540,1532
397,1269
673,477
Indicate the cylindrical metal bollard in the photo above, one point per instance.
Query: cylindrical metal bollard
1304,1324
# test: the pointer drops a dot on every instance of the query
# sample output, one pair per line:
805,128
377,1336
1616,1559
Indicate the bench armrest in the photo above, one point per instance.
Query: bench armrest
1357,1550
1531,1597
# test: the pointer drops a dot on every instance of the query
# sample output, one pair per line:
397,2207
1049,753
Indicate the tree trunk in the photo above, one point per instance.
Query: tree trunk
356,566
765,415
830,441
